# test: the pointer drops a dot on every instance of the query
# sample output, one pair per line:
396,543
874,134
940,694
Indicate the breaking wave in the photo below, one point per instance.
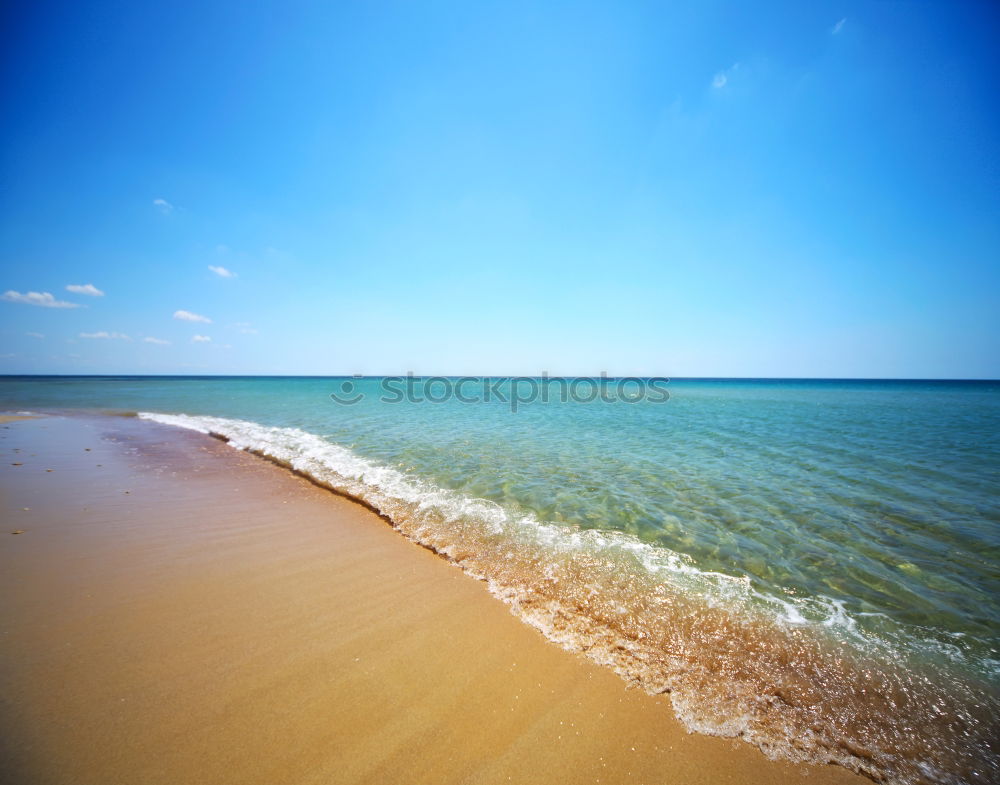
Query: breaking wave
793,675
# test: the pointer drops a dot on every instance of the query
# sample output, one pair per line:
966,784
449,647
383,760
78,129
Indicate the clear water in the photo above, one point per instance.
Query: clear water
836,531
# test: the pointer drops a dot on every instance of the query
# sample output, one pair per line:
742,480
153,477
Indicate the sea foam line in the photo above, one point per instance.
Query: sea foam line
629,605
383,487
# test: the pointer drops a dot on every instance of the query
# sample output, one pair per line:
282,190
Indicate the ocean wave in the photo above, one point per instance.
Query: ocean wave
794,675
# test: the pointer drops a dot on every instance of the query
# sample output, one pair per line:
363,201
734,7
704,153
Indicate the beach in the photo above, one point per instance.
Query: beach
479,393
177,611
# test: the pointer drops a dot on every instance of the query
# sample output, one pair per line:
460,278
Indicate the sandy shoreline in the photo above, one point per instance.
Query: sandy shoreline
176,611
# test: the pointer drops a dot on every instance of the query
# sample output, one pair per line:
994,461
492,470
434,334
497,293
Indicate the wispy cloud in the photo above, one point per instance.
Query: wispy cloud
721,79
85,288
106,336
245,327
35,335
163,206
187,316
157,341
201,339
839,26
43,299
222,272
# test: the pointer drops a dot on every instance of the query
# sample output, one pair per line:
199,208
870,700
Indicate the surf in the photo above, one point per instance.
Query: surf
794,675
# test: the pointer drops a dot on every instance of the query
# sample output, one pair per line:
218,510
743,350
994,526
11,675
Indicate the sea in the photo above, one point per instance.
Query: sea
810,565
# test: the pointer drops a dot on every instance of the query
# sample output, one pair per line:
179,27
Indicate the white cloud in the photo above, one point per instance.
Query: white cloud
163,206
222,272
721,79
839,26
201,339
34,335
85,288
187,316
44,299
106,335
244,327
158,341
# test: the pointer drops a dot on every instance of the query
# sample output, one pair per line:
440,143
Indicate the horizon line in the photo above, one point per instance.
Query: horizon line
492,376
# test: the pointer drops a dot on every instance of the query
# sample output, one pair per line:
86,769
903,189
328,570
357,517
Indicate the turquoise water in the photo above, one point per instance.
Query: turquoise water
850,525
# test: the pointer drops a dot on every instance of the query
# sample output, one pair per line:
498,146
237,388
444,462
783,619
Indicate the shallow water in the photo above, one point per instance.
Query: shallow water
812,565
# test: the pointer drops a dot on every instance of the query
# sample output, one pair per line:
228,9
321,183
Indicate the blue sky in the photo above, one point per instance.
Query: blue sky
721,189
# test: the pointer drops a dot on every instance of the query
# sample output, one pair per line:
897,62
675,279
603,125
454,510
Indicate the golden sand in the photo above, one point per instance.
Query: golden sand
174,611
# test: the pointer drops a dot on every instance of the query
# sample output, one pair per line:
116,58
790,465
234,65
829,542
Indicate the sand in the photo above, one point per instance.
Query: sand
173,611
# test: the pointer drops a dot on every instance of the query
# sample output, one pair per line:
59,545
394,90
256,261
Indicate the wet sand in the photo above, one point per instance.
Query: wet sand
174,611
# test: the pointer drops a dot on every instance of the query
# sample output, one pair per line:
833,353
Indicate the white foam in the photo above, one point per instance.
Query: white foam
392,493
457,526
382,487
